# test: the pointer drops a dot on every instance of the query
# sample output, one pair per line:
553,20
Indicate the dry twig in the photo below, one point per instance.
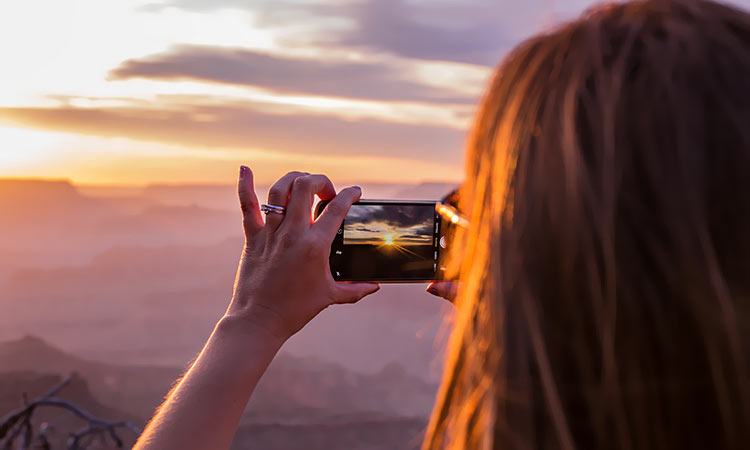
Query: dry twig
17,427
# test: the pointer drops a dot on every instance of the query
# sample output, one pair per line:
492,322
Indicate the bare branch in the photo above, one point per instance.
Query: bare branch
18,423
52,392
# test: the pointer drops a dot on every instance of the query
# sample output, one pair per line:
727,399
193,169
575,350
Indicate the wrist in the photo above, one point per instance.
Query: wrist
259,323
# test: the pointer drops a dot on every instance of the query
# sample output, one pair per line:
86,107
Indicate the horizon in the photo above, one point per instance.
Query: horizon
229,183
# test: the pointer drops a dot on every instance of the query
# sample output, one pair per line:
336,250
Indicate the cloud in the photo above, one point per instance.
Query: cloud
348,79
477,32
245,127
473,32
469,33
406,217
267,13
363,229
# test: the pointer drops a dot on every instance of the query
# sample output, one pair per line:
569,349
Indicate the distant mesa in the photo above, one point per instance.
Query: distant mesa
18,189
33,353
293,389
13,384
137,390
33,385
393,370
26,184
33,201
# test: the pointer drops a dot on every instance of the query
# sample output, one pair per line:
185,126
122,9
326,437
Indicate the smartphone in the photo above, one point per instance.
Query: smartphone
388,241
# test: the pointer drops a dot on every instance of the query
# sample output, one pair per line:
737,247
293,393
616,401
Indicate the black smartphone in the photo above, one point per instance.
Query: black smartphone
388,241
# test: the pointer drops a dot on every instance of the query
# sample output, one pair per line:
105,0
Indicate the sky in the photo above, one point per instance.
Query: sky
376,225
183,91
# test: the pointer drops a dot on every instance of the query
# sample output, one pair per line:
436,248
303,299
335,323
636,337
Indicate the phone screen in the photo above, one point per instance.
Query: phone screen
387,241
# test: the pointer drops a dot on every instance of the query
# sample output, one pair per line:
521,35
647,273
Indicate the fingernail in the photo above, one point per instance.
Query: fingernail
358,188
432,290
243,171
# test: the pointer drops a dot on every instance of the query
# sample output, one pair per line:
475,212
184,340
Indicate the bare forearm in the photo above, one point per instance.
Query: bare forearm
282,283
204,410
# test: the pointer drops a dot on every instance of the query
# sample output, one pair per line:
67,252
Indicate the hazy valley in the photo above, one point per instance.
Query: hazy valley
123,285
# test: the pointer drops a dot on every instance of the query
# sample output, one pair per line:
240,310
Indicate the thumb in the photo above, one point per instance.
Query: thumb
446,289
353,292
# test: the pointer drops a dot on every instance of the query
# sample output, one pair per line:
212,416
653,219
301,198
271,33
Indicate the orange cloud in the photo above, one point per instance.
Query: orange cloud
243,127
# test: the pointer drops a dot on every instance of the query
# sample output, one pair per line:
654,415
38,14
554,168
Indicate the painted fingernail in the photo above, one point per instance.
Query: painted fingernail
243,170
432,290
358,188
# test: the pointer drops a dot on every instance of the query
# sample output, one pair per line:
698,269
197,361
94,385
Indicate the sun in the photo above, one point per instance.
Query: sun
389,245
27,150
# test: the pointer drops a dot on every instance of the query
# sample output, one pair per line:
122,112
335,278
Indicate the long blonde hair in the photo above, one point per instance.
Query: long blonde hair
606,276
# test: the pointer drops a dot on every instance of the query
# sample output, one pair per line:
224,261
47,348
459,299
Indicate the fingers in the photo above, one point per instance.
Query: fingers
278,195
330,219
301,199
353,292
444,289
252,222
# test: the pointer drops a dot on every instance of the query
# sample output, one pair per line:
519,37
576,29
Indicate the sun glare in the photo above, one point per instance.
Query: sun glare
23,148
388,240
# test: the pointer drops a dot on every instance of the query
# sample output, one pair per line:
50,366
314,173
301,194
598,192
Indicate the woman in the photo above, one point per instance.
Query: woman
605,300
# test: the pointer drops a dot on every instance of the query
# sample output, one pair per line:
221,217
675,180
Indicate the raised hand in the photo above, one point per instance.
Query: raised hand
284,279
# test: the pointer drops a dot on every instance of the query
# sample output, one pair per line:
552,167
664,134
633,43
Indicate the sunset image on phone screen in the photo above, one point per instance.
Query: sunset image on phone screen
390,239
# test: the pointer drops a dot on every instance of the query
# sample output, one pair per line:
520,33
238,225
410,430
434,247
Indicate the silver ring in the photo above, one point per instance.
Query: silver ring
272,209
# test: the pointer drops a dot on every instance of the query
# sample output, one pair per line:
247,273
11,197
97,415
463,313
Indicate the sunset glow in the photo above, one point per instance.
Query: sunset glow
133,92
65,114
138,91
